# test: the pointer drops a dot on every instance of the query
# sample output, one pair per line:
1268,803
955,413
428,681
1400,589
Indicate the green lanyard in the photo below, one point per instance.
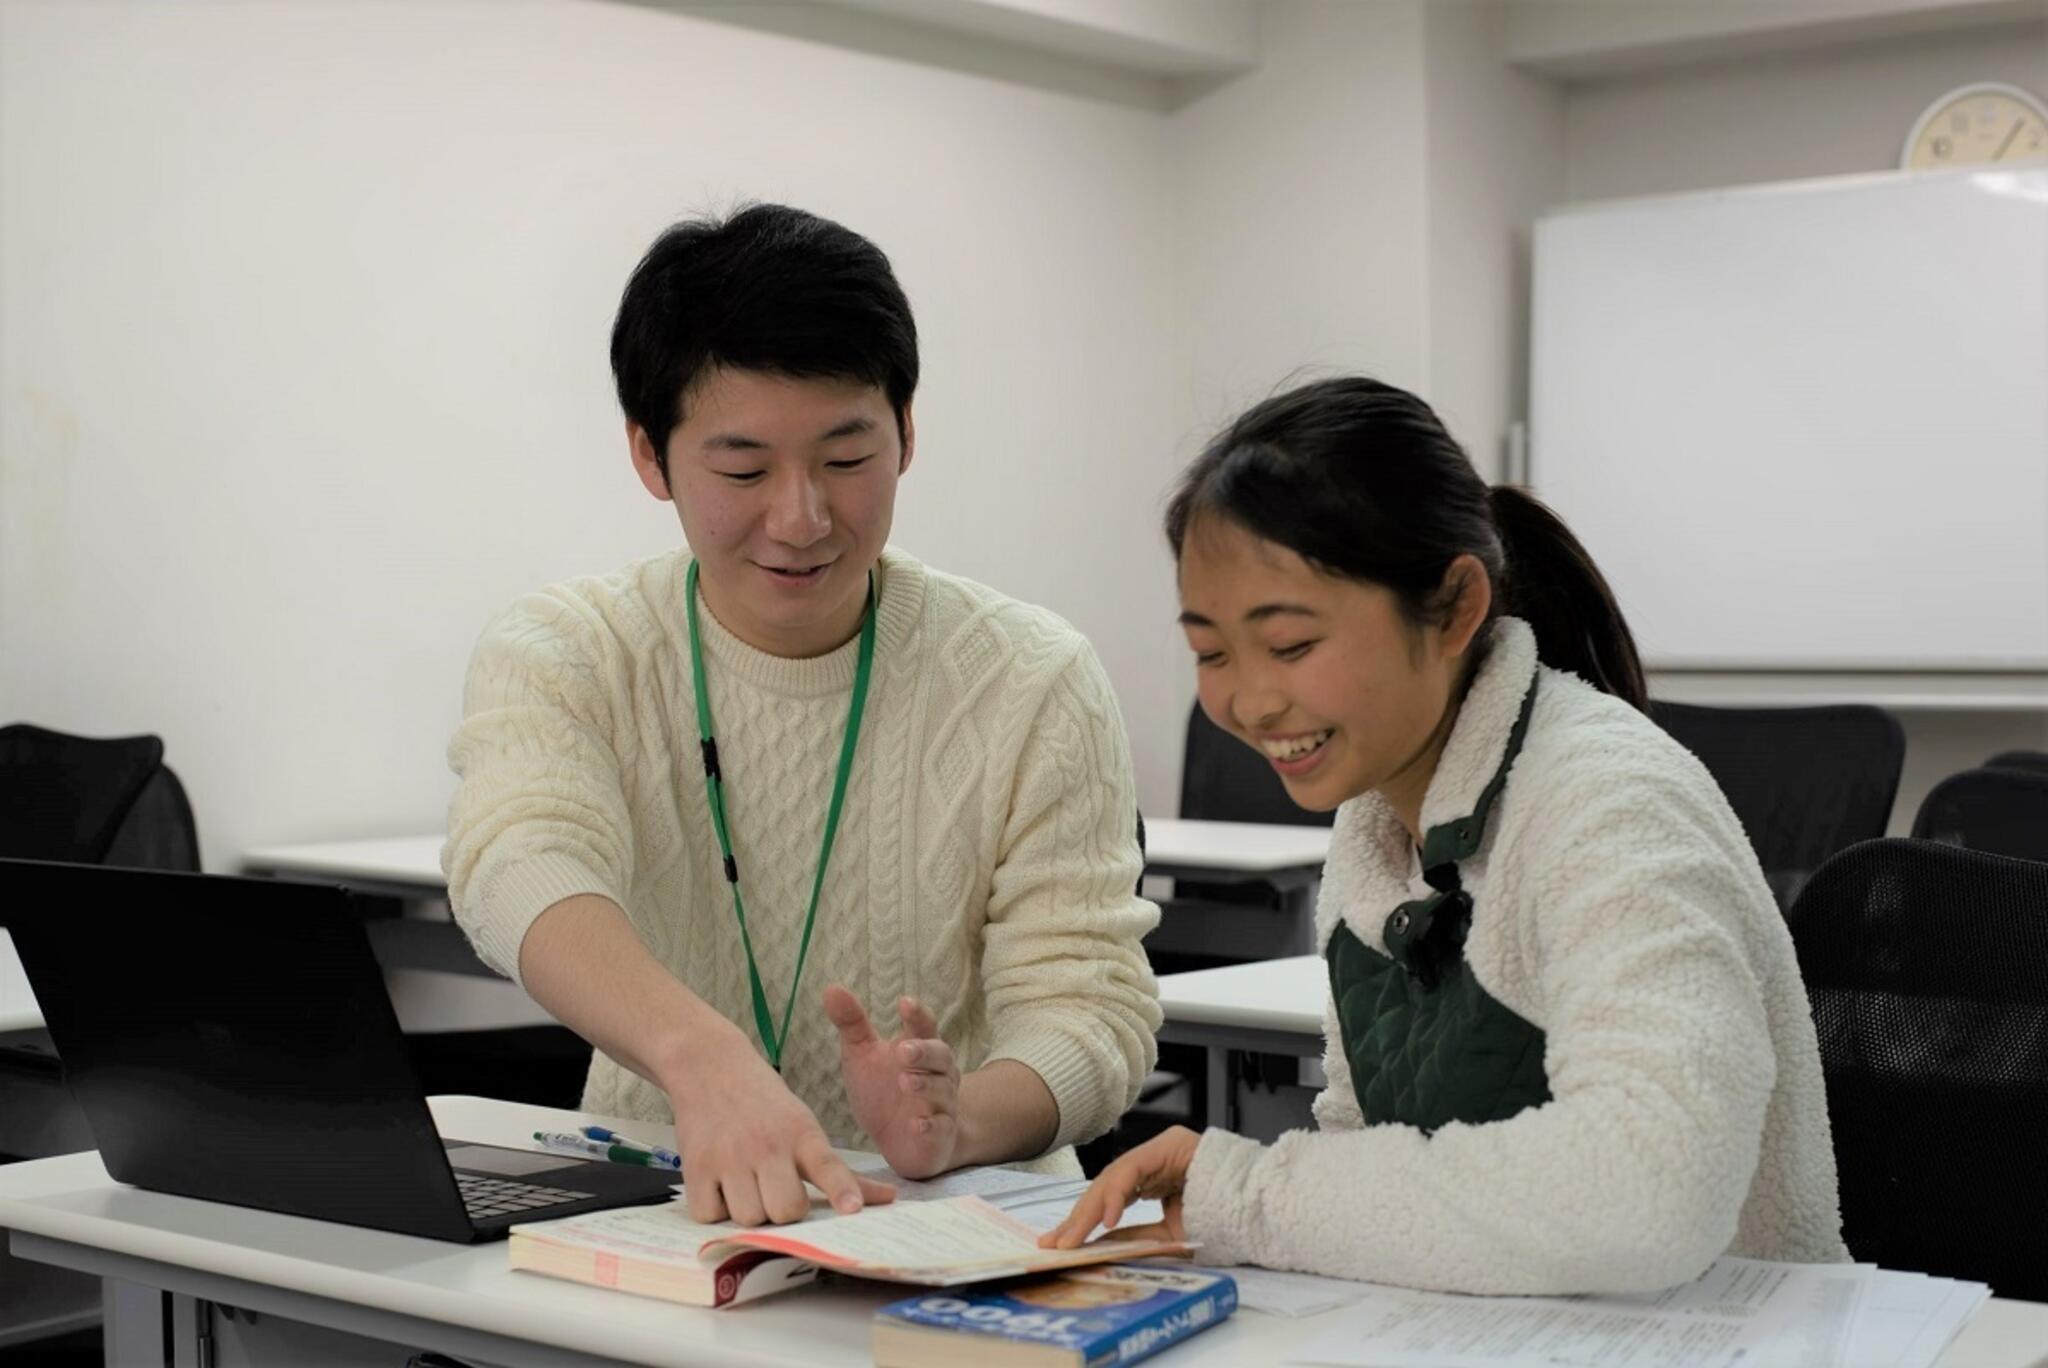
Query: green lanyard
714,790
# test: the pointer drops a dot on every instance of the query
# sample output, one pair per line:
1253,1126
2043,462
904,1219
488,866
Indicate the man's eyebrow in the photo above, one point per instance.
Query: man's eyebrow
1258,614
739,441
733,441
852,427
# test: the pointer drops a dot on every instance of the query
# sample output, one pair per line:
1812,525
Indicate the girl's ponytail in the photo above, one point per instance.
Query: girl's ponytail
1553,585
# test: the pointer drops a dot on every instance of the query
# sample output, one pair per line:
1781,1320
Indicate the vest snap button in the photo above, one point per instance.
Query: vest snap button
1400,923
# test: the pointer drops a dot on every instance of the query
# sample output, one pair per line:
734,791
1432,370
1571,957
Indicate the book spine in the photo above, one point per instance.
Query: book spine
1169,1325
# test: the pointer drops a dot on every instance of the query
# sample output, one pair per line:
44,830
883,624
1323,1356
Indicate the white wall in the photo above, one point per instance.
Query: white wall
1577,38
1821,112
1782,117
1495,158
303,355
1300,207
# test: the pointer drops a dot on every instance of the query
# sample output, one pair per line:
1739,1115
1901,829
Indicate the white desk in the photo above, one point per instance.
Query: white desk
1190,849
315,1286
403,866
1290,858
413,863
1283,996
1271,1007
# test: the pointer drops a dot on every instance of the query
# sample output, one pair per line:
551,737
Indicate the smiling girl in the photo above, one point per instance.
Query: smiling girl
1567,1044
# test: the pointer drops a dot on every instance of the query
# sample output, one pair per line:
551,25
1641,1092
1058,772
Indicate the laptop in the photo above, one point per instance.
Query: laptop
230,1039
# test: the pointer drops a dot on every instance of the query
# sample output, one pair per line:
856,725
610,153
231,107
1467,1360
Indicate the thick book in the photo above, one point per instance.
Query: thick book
657,1251
1083,1318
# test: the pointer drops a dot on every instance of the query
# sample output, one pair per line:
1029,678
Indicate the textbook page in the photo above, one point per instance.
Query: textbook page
1741,1313
960,1239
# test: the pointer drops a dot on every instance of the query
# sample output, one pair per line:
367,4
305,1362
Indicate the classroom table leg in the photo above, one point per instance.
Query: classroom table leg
1222,1087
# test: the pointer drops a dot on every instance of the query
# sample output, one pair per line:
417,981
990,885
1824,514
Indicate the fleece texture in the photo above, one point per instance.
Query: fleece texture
986,855
1619,908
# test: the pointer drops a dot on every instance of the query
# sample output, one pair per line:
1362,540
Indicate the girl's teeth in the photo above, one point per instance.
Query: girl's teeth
1295,748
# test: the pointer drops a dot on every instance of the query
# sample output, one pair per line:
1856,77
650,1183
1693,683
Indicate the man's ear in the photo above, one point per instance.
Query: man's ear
909,426
645,463
1466,578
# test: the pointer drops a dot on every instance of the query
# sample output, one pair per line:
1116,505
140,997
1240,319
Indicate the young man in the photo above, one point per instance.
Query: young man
917,806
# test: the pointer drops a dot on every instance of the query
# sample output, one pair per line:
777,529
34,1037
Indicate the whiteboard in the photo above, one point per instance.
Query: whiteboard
1806,426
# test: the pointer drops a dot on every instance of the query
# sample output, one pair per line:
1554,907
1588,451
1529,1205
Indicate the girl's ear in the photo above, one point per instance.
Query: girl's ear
1469,590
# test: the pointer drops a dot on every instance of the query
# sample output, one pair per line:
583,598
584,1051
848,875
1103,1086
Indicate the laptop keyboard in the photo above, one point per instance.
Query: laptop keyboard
485,1197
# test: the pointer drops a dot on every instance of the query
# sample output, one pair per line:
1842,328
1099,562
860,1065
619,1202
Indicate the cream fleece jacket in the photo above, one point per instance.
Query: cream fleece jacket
986,855
1619,907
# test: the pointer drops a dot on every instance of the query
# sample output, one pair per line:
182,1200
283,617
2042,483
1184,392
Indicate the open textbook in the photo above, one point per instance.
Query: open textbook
657,1251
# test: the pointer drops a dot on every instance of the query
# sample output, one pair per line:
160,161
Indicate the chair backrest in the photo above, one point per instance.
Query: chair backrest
89,801
1224,780
1805,782
2019,759
2003,811
1927,968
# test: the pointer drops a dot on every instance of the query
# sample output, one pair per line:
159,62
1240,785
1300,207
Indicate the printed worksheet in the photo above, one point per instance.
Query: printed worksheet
1741,1313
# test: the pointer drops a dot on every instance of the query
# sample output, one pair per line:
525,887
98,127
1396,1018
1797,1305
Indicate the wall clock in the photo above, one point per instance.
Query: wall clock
1975,125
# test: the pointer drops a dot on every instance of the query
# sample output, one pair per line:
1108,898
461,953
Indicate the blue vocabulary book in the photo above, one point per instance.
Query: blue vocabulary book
1084,1318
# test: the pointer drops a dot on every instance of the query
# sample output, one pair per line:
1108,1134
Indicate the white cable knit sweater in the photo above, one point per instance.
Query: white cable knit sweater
1619,908
986,854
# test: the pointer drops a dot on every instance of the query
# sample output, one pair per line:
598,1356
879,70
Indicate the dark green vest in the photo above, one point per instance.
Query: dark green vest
1426,1043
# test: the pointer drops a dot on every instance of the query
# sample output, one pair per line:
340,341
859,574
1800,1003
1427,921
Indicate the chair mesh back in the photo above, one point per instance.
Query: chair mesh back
90,801
1927,967
158,832
2019,759
63,797
2003,811
1805,782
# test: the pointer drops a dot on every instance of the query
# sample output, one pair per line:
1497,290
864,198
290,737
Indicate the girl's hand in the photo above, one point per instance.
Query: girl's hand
1158,1168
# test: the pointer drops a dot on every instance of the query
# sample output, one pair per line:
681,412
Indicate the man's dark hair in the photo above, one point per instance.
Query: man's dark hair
770,289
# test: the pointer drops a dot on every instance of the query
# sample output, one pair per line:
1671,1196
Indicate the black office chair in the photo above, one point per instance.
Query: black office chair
2002,811
1927,967
91,801
1805,782
1224,780
2019,760
86,801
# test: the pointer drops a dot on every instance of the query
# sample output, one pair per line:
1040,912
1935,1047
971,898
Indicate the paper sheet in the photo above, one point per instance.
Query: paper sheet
1292,1294
1741,1313
1042,1211
994,1182
1908,1320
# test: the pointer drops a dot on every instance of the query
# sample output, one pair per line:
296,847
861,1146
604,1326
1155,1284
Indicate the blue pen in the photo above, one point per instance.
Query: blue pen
662,1154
